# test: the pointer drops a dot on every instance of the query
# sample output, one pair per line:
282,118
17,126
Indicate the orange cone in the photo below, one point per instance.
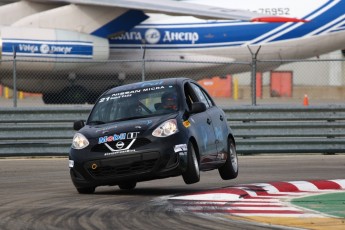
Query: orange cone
305,100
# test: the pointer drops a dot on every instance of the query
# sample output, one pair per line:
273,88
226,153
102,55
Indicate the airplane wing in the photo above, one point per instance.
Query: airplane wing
171,8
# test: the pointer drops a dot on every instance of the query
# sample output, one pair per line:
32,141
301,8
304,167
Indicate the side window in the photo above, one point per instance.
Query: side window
202,96
209,100
190,98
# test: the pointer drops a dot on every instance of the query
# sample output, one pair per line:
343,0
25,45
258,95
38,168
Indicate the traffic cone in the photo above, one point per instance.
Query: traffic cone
305,100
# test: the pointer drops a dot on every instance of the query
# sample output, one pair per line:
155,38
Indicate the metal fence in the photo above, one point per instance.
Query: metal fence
43,83
257,129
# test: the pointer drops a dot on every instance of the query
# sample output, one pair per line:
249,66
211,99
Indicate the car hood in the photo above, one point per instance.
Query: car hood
140,126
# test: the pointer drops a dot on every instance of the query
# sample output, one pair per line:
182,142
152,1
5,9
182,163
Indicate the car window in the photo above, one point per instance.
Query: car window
135,103
188,95
201,95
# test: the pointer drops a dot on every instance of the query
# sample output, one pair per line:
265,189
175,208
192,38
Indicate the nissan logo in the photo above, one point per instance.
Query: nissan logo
120,145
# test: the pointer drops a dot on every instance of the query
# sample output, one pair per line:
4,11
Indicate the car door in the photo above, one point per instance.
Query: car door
218,121
220,125
206,128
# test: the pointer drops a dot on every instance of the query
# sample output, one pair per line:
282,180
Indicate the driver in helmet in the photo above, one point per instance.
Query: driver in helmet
169,101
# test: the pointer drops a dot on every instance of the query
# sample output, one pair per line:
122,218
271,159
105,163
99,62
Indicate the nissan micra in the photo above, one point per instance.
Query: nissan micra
151,130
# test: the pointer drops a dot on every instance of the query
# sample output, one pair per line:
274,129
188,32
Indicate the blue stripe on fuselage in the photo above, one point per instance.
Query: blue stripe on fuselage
197,35
225,33
331,14
48,48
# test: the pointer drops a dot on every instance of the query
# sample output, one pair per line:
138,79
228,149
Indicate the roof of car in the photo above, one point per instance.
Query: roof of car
143,84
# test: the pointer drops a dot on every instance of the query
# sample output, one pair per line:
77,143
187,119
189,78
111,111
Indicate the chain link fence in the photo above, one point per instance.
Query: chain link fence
43,83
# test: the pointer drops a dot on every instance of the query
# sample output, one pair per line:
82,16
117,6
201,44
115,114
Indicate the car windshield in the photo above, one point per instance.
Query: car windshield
134,104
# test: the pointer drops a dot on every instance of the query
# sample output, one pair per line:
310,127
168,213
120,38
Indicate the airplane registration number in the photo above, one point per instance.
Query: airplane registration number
274,11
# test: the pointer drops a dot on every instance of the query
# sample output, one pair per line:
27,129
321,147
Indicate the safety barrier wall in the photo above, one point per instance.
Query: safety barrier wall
288,129
257,129
38,131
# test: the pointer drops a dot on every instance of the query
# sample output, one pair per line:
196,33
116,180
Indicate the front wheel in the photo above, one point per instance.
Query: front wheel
88,190
128,185
192,173
230,168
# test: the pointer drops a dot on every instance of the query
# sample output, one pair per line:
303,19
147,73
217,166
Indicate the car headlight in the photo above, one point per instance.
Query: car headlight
79,141
166,129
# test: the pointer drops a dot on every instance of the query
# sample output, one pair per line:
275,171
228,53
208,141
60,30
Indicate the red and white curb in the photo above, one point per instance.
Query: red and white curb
261,199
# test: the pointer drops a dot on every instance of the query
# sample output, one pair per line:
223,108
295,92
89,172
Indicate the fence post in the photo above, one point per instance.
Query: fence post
254,59
14,77
143,64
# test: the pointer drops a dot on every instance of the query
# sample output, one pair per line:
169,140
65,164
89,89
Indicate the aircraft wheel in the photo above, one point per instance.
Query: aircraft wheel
74,95
49,98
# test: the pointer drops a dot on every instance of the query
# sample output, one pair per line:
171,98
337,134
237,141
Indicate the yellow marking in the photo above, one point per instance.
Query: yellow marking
7,92
235,96
20,95
186,124
303,222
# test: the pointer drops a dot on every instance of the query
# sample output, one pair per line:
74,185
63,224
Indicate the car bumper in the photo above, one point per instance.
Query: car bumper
140,165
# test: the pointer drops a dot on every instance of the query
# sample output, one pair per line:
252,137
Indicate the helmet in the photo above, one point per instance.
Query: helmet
169,100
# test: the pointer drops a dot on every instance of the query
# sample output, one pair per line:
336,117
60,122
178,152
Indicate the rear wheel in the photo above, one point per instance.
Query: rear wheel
87,190
192,174
230,168
128,185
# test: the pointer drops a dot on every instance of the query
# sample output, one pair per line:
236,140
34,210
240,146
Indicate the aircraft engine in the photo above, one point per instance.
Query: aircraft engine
60,49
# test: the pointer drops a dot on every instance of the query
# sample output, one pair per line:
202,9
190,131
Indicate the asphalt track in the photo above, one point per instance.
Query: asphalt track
38,194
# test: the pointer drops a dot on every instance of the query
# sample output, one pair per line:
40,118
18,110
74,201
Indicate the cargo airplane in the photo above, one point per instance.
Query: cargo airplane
59,36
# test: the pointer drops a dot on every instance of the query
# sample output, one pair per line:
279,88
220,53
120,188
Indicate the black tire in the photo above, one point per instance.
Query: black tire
69,95
50,98
74,95
88,190
192,174
128,185
92,98
229,170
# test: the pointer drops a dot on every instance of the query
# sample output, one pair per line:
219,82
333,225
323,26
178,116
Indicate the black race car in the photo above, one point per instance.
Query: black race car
150,130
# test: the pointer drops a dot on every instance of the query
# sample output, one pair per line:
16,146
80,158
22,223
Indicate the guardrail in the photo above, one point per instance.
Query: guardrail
257,129
288,129
38,131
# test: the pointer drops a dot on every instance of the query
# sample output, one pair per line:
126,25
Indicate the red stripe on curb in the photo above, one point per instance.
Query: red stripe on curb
254,205
251,211
284,186
320,184
230,205
260,191
229,190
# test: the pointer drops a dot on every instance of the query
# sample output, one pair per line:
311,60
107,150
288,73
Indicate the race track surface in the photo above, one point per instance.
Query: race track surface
38,194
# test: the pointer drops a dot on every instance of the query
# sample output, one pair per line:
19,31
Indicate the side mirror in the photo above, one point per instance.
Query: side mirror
78,125
198,107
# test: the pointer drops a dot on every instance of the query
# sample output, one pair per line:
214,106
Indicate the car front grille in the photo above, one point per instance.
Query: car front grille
124,165
138,143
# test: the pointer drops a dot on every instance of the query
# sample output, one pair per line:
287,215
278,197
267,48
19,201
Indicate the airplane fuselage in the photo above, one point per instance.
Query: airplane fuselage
165,38
162,35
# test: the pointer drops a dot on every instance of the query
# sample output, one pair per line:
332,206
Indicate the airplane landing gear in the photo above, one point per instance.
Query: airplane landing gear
69,95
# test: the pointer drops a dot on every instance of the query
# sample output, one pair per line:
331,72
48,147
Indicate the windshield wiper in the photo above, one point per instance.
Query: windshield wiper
130,118
96,122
